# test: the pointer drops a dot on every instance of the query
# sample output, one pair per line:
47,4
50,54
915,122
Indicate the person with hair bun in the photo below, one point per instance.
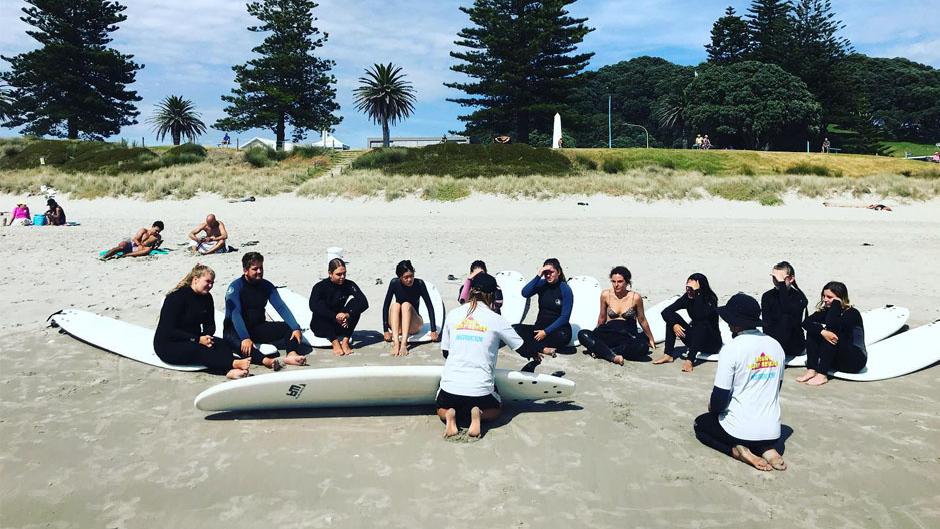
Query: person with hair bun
701,334
336,304
783,308
616,336
552,329
187,324
400,316
835,336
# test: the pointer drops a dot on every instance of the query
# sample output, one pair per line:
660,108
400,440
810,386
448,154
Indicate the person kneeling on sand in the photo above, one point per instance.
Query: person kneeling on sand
743,418
245,322
142,243
187,324
470,344
209,237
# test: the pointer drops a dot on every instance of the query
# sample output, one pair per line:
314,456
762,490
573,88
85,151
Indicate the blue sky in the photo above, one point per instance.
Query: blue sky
189,46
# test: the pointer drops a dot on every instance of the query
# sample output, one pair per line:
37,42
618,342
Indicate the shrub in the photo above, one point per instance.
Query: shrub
257,157
311,152
747,170
187,148
613,165
585,162
806,168
446,191
180,159
467,161
379,158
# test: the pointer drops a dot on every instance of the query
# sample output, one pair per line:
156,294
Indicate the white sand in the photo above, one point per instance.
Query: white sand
93,440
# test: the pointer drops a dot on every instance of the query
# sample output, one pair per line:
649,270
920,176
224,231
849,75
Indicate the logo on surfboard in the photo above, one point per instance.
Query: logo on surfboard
295,390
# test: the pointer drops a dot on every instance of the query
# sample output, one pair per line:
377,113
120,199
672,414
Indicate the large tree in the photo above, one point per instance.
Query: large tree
385,96
286,84
177,117
730,39
73,85
521,63
770,28
816,50
752,105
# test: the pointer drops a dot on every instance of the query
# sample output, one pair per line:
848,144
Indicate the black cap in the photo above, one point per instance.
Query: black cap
484,283
741,311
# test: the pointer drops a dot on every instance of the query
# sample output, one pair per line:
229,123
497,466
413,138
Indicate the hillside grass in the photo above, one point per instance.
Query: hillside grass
898,148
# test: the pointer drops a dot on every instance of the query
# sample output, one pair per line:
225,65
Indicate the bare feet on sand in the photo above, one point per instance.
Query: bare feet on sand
242,363
475,418
403,350
450,426
664,359
775,459
234,374
347,347
337,348
741,453
294,359
810,373
618,360
687,366
817,380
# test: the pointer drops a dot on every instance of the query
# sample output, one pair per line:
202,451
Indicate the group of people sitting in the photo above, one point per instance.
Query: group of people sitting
209,237
20,216
744,414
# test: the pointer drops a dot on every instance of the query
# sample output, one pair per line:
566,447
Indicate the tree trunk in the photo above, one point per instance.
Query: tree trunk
176,137
73,129
522,127
279,133
386,135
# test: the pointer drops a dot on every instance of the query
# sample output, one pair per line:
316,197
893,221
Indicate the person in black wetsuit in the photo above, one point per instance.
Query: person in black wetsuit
336,304
701,334
401,319
187,324
783,308
616,336
835,337
551,330
478,267
245,322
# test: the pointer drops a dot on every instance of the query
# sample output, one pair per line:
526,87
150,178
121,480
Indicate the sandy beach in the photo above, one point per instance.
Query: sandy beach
90,439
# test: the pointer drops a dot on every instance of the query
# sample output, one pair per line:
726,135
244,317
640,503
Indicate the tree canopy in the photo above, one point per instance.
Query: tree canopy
385,96
730,39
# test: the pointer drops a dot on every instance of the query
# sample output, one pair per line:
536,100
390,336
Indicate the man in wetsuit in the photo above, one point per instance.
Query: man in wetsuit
245,323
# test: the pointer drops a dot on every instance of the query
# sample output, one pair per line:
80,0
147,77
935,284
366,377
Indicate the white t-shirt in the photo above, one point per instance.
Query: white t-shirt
751,366
473,343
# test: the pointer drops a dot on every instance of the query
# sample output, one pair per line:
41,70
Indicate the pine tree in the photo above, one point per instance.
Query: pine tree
287,84
521,63
73,85
770,27
816,51
730,41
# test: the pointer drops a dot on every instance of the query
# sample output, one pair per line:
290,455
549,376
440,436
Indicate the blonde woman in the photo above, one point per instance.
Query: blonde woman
187,325
835,337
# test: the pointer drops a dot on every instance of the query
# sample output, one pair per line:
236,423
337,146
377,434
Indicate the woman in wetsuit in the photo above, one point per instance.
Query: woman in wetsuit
551,329
400,316
336,304
701,334
782,310
835,337
187,324
616,336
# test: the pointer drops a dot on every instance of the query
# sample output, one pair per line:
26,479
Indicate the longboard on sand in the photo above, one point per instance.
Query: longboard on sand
655,319
586,291
119,337
364,386
900,355
515,305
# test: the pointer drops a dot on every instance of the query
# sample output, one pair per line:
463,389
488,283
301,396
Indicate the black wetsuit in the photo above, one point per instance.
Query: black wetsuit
184,318
618,335
701,334
327,299
849,354
413,295
782,311
245,318
555,303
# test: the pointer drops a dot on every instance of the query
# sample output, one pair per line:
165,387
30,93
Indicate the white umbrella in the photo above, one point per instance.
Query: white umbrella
556,132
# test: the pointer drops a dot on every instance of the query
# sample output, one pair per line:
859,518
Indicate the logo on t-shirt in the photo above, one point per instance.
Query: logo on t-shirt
763,368
470,324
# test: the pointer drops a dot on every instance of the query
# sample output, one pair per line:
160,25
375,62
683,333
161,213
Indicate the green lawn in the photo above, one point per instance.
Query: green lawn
898,148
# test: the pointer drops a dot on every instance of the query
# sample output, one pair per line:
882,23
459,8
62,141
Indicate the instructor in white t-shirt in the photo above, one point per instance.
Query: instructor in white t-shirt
743,419
470,343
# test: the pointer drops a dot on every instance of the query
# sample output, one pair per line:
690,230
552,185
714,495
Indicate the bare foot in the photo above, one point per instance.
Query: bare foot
347,348
450,428
687,366
404,349
337,349
274,363
817,380
810,373
395,348
241,363
294,359
550,351
664,359
618,360
741,453
775,459
235,374
475,416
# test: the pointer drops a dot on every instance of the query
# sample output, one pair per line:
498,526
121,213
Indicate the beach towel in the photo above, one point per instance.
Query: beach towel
158,251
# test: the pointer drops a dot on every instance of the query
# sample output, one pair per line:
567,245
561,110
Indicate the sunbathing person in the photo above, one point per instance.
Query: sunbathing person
245,321
209,237
142,243
336,304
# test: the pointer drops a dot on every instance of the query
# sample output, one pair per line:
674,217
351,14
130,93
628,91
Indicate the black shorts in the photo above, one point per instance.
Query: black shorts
463,403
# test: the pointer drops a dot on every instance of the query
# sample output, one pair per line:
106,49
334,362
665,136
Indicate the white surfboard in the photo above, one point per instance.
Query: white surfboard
879,324
515,305
655,319
900,355
424,334
587,302
299,306
364,386
119,337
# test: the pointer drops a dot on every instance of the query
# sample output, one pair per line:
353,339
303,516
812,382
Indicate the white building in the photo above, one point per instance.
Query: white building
416,141
265,143
328,140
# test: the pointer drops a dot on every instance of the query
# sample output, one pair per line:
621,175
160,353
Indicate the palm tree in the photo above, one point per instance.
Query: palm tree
385,96
175,115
